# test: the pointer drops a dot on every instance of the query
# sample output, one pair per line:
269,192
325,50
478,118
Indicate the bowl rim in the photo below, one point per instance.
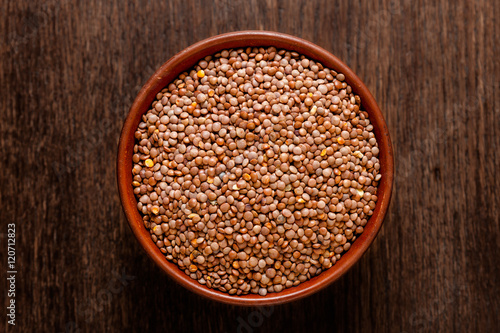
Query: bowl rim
185,59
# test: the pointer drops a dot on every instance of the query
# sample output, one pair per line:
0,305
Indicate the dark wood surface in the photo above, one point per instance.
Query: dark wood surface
69,71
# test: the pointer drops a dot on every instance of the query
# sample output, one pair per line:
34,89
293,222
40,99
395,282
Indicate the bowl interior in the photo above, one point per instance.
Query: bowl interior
188,58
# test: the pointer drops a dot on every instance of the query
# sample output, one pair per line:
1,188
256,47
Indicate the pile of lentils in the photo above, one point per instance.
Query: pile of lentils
256,170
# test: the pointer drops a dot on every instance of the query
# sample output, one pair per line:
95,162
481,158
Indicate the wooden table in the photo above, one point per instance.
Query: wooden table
69,71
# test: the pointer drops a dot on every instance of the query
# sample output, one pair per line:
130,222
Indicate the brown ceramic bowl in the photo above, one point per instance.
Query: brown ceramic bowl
186,59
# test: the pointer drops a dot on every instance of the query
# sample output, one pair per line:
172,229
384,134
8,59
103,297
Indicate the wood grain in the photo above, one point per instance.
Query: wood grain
69,71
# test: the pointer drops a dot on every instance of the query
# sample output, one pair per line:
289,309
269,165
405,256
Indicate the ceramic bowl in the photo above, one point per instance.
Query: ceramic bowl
188,58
